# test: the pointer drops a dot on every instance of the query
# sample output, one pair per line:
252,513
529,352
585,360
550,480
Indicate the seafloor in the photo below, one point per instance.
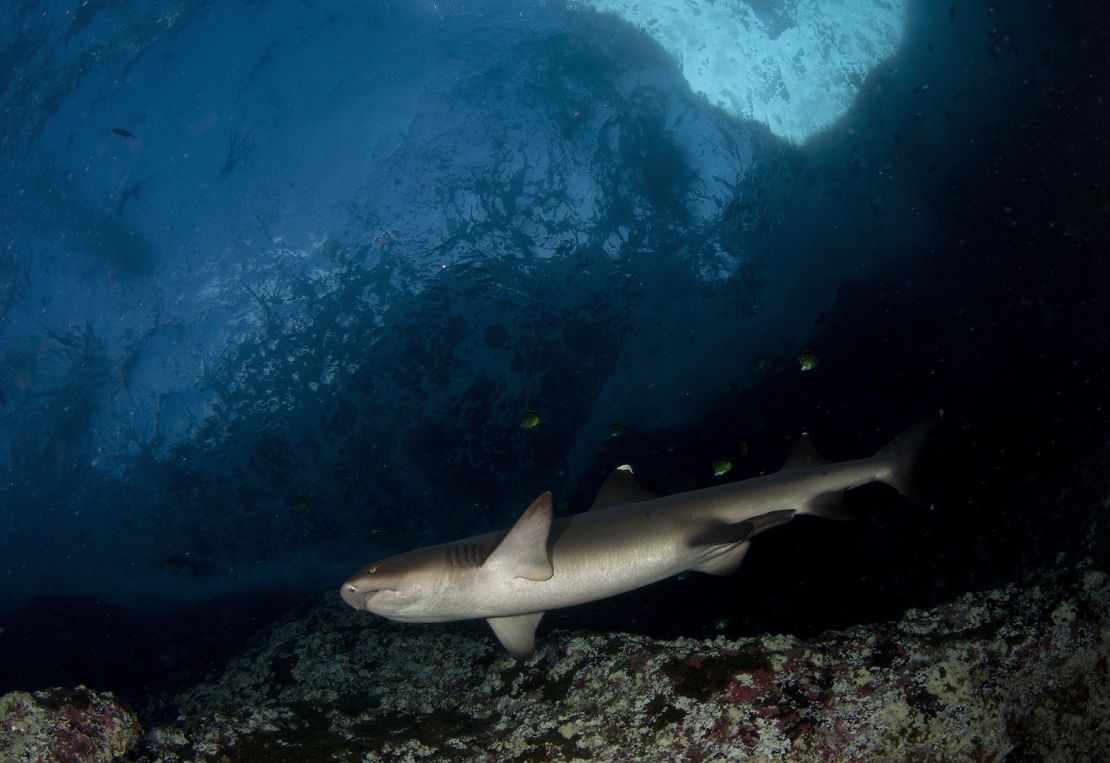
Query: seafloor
1016,673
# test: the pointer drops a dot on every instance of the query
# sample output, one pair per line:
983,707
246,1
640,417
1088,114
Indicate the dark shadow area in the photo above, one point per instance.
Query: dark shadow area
143,658
1006,327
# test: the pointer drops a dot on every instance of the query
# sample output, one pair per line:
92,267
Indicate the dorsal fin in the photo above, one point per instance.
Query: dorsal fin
804,455
523,553
621,486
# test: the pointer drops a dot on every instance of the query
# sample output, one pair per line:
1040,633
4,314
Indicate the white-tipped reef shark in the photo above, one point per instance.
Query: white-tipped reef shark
628,539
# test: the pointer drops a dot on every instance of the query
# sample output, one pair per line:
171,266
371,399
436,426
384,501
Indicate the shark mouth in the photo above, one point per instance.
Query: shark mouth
368,596
356,598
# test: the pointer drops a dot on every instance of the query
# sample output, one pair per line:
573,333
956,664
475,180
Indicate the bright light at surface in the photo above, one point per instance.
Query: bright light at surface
794,65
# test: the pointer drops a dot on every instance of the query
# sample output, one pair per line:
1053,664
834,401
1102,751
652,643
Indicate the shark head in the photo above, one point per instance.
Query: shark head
394,587
456,581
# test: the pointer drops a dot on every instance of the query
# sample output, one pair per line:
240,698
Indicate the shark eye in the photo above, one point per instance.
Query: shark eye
373,569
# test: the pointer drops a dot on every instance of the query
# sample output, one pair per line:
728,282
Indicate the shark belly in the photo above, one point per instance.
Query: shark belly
595,557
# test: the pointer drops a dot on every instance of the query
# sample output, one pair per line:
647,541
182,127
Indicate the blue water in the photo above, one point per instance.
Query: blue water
278,281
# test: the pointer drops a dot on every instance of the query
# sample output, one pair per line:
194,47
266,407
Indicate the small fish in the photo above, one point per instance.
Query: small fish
743,449
530,419
617,430
759,363
952,12
722,623
298,505
3,400
808,360
721,467
122,132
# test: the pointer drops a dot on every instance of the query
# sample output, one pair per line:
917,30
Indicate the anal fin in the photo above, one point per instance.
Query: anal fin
827,506
517,633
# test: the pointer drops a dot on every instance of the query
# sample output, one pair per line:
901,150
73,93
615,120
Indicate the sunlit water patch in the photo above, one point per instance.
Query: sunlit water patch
794,65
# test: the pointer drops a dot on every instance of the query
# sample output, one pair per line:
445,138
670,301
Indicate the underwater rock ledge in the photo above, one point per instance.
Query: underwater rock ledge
65,725
1016,673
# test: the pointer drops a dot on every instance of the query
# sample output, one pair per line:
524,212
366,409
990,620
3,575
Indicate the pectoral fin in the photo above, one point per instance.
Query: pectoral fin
517,633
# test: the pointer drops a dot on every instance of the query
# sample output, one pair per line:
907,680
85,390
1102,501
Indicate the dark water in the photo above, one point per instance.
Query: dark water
277,284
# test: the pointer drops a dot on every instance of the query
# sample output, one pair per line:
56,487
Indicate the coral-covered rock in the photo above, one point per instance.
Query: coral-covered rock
1017,671
65,726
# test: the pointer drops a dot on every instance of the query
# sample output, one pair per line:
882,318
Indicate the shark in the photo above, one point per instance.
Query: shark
629,538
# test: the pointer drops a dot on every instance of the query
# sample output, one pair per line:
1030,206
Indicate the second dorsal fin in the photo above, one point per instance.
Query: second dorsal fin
803,455
621,486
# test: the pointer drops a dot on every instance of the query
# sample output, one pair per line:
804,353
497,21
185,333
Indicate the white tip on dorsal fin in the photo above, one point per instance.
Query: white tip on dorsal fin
523,553
517,633
804,455
621,486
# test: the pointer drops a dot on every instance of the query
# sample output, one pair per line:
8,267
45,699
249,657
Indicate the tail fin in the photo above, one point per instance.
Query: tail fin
900,456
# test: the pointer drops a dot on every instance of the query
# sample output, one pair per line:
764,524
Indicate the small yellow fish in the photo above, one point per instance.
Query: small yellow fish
617,430
721,467
808,360
298,505
759,363
743,449
530,419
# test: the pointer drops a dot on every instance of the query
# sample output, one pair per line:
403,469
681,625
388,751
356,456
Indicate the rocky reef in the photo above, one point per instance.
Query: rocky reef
1019,672
65,725
1015,673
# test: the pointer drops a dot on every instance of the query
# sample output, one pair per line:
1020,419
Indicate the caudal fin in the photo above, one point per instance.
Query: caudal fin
900,457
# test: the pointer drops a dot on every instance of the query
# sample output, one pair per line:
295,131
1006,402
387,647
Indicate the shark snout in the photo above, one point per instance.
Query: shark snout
360,596
355,596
